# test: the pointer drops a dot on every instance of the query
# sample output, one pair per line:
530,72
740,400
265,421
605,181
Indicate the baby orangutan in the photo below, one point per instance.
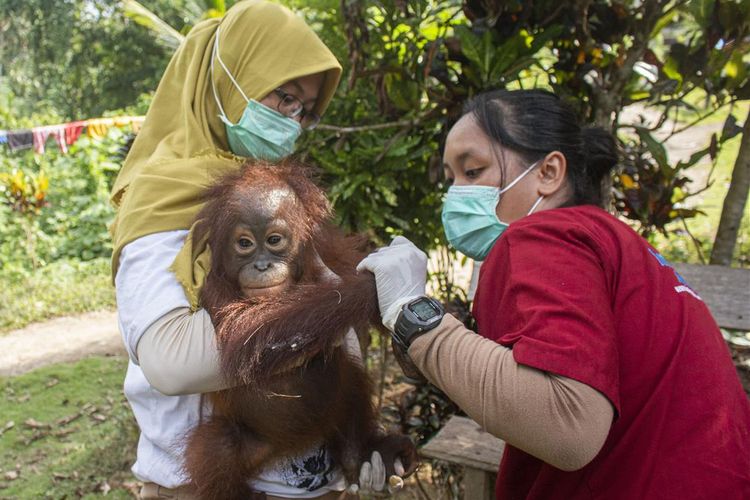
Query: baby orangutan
282,294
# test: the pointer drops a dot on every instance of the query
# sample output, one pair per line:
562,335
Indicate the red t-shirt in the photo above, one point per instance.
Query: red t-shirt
576,292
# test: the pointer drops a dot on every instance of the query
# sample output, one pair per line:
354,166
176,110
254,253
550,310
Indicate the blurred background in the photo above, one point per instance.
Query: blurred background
669,78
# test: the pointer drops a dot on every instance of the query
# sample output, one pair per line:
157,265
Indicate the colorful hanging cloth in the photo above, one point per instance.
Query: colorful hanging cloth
66,134
73,131
58,132
40,137
134,122
98,127
20,139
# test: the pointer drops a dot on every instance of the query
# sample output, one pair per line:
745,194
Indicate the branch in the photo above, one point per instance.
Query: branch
382,70
708,185
388,145
553,15
659,123
604,95
695,241
701,118
375,126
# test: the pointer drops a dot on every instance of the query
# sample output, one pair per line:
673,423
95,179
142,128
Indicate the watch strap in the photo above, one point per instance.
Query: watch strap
409,325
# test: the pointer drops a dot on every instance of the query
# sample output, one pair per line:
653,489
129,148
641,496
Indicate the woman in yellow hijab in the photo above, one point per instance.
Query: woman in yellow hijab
242,86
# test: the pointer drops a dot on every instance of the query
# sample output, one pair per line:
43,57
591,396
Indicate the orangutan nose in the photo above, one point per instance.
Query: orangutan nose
262,266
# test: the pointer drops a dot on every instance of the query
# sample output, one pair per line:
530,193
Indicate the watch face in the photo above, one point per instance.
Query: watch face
424,310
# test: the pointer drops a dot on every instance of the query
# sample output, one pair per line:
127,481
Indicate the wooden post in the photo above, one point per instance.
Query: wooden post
464,443
478,484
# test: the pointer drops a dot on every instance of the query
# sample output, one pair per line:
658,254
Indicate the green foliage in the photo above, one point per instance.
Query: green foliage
409,67
24,193
611,55
652,190
427,60
190,12
73,218
691,240
412,64
63,287
67,432
75,59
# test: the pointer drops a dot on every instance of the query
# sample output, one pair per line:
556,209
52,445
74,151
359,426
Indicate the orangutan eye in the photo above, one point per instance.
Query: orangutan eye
245,243
274,239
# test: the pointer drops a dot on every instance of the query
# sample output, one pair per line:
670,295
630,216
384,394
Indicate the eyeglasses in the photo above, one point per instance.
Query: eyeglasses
291,107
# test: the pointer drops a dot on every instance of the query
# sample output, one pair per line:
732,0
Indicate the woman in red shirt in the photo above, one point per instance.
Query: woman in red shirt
595,361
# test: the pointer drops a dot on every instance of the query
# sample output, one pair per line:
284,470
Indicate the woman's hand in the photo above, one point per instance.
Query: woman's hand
400,275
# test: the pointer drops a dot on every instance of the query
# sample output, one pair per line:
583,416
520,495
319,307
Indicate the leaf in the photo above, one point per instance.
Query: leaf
8,426
663,22
471,45
35,424
686,213
627,181
389,196
702,11
480,51
730,128
694,158
506,54
671,69
415,422
656,148
403,93
143,16
105,488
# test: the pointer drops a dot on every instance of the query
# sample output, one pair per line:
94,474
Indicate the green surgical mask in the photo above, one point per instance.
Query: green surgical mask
470,218
261,132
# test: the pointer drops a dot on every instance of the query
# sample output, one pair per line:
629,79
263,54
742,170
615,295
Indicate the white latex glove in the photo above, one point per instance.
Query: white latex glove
372,476
400,274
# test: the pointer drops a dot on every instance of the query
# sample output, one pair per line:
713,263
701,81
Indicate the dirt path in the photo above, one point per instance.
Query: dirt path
59,340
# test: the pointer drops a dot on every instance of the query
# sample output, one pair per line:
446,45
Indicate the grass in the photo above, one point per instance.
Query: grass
57,289
66,431
679,246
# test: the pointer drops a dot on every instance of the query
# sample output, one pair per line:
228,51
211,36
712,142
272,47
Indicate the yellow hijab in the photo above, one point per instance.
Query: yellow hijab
182,148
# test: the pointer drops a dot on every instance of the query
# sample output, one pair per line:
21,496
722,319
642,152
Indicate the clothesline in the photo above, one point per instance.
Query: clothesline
65,134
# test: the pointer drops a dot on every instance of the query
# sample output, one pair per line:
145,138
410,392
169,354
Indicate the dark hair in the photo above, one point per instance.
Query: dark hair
534,123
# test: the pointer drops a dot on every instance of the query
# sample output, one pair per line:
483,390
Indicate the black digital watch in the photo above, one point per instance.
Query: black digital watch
416,317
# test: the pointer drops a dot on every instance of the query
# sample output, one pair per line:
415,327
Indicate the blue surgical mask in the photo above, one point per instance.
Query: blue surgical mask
470,219
261,132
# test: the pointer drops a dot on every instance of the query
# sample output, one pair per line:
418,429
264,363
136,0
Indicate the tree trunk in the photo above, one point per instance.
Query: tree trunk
734,203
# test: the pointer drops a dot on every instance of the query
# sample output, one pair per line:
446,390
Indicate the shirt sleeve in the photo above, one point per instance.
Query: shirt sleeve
556,419
553,302
144,287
